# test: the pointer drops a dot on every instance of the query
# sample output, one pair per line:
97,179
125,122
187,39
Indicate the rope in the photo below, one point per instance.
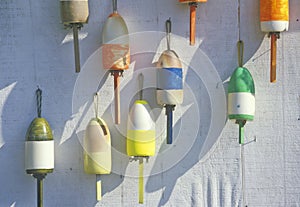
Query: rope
96,104
39,102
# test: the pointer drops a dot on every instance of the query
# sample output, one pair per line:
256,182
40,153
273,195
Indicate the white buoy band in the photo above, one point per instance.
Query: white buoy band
39,155
172,97
274,26
241,103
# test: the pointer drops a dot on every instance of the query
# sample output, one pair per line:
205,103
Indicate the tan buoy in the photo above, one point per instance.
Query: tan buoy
97,148
74,13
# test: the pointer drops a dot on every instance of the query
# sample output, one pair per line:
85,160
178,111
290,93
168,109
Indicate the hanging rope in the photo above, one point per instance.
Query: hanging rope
39,102
96,104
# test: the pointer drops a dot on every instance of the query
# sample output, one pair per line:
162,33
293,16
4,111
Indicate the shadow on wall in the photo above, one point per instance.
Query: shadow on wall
198,129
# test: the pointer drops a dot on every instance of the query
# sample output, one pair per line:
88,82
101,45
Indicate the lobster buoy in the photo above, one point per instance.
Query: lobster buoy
97,148
74,13
169,90
241,99
39,150
140,142
193,6
274,18
115,51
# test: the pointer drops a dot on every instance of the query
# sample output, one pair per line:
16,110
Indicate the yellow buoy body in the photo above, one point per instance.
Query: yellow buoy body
97,148
274,15
140,130
74,11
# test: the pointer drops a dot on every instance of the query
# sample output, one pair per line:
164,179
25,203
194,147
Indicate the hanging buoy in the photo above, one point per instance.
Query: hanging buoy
115,52
97,148
140,142
274,18
193,6
169,91
241,96
39,149
74,13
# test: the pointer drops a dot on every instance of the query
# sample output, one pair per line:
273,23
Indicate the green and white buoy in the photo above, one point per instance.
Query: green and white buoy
241,97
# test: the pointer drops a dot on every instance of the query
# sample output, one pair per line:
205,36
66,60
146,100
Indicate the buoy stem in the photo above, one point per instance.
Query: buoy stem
141,180
168,31
241,124
39,102
98,188
169,113
274,37
76,47
193,7
114,2
141,82
117,75
39,178
96,104
240,47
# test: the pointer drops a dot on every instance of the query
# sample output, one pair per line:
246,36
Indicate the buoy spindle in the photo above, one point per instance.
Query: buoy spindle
76,27
193,7
274,37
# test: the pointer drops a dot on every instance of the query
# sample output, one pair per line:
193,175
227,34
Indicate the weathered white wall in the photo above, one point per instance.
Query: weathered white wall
201,168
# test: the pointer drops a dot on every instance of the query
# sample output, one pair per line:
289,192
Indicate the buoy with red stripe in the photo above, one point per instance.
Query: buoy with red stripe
39,149
97,148
274,18
115,51
169,92
241,96
74,13
140,142
193,6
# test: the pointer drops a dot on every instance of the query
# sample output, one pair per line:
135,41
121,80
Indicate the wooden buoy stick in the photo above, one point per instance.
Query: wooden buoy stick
117,96
76,47
193,7
274,37
141,180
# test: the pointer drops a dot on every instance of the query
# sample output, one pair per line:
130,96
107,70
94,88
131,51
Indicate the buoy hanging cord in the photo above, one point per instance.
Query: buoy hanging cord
76,27
141,180
168,32
39,102
96,104
193,7
141,82
274,37
240,47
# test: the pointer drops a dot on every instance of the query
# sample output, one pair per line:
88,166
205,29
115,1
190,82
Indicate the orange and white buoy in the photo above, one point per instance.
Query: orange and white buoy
274,18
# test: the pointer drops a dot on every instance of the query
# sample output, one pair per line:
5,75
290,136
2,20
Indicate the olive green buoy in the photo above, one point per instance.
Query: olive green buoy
39,149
